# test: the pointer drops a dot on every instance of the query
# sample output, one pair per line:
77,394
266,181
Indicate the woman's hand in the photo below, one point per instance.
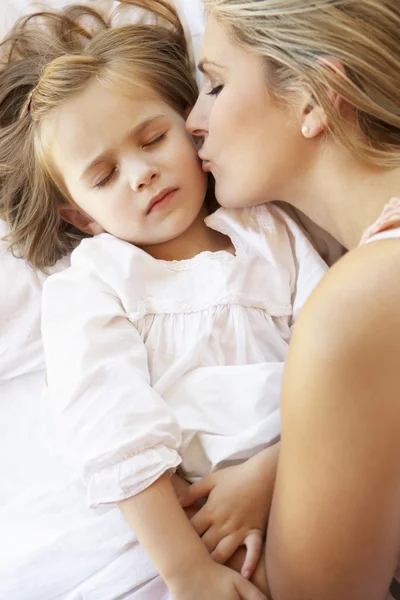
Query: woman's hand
237,508
213,582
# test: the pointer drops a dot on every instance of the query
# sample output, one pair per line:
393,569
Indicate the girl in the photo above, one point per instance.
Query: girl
321,107
166,337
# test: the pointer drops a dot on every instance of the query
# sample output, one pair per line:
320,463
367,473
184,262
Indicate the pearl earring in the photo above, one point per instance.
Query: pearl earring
305,130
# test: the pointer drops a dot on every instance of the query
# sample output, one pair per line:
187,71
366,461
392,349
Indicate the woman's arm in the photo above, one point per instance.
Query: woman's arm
334,527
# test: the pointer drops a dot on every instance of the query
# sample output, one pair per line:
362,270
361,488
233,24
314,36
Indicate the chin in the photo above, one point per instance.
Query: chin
230,198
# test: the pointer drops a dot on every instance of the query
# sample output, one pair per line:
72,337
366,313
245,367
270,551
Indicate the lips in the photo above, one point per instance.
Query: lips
159,198
205,163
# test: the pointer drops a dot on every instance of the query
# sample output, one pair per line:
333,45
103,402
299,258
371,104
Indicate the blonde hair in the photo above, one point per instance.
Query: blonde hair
295,36
46,58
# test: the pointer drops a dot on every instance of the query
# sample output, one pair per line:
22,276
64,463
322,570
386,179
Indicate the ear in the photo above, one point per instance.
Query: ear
314,118
72,215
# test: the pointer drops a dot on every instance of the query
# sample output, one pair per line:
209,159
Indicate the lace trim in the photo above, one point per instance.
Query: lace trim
217,224
213,222
154,307
388,219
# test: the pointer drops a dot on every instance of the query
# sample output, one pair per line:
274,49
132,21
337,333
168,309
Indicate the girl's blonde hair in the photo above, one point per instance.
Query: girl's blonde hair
297,36
46,58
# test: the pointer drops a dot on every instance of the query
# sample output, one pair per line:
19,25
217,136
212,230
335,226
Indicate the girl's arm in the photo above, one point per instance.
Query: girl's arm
334,526
178,553
165,532
118,431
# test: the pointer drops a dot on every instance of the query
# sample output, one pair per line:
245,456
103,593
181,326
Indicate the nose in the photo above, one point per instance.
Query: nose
197,121
141,174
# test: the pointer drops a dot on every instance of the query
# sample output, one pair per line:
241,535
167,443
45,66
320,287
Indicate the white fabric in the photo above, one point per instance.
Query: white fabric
20,301
150,363
52,546
387,234
20,297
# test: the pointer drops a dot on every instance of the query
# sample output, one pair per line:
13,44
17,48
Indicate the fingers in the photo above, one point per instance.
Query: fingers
253,543
201,521
248,591
197,490
226,548
211,538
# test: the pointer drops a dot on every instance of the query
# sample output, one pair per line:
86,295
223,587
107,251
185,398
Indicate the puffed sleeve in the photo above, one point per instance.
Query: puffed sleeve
308,267
112,425
292,251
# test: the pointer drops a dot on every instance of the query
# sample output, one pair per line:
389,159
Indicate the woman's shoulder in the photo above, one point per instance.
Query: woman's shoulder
357,302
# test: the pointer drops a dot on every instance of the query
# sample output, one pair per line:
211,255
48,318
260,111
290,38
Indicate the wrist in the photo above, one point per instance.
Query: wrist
194,568
268,458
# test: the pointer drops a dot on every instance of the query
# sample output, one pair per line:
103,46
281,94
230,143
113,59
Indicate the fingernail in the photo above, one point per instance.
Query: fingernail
246,574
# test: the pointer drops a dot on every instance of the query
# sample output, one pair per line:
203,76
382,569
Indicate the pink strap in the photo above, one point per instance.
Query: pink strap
389,219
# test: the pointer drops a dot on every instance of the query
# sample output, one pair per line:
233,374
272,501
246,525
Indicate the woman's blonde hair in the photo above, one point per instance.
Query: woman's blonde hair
297,36
46,58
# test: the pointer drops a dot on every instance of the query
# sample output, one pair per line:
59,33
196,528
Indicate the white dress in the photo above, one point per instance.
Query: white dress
153,365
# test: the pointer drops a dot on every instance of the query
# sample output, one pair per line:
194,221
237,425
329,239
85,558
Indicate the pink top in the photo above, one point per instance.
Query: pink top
389,219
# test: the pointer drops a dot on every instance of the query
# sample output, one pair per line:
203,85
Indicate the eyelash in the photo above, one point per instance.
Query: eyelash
215,91
108,178
155,141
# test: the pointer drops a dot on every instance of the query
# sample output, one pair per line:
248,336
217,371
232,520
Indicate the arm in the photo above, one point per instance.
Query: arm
121,434
334,525
239,497
181,558
165,532
237,509
112,425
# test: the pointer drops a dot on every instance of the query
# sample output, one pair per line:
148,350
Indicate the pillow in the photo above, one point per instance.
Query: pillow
20,302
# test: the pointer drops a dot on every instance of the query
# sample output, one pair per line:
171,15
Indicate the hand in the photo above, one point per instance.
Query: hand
213,582
237,508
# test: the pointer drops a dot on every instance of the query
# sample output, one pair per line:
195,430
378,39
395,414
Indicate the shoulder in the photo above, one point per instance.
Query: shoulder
100,261
347,336
338,468
271,223
362,287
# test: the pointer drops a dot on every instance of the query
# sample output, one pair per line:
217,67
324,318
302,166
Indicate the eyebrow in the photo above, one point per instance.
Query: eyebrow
134,132
206,61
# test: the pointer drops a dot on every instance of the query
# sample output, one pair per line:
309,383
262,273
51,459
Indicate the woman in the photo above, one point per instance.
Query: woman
301,102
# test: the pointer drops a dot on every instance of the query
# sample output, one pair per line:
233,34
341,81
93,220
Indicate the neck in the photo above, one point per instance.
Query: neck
344,196
196,239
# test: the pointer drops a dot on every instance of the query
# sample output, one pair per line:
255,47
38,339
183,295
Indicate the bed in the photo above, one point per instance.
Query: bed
53,546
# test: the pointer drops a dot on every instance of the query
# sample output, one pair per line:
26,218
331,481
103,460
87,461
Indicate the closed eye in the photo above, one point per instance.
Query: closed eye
106,179
156,140
215,91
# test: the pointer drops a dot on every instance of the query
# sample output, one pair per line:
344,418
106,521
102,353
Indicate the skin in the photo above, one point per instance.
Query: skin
112,173
334,525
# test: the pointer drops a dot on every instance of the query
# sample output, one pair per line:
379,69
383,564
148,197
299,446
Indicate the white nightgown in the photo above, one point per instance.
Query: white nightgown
153,365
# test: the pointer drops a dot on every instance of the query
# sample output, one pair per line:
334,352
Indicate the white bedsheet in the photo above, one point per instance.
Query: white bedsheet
52,546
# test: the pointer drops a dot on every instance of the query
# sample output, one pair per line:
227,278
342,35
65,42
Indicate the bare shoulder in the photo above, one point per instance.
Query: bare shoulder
358,301
338,470
346,344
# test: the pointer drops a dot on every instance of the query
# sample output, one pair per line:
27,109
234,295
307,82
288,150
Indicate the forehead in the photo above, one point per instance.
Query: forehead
220,52
96,119
217,45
